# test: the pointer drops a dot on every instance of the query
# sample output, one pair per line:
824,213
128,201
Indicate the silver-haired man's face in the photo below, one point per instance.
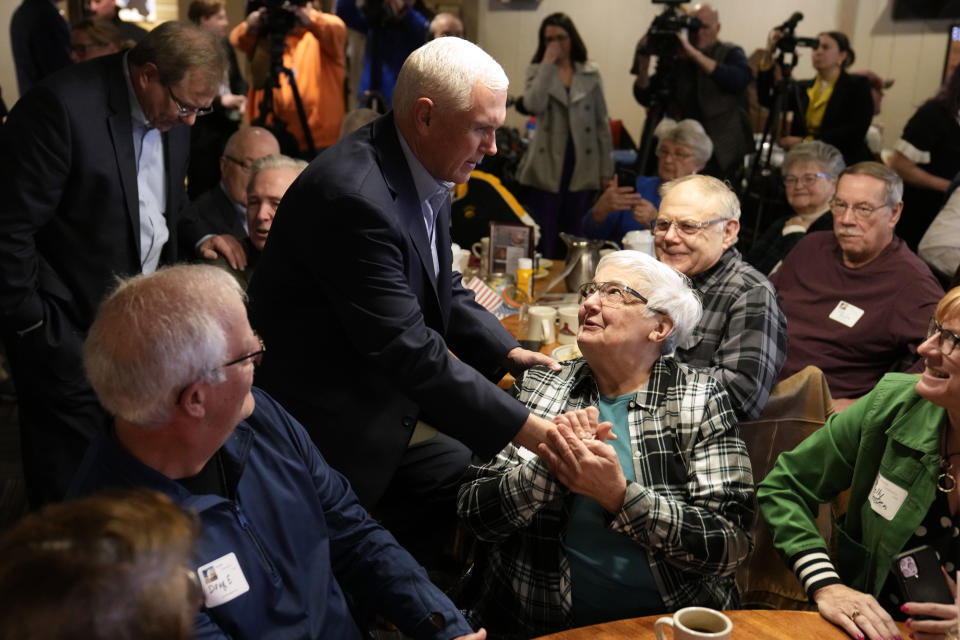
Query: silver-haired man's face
456,141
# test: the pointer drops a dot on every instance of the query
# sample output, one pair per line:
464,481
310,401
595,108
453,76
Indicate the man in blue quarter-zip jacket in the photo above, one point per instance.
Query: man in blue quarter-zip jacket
283,539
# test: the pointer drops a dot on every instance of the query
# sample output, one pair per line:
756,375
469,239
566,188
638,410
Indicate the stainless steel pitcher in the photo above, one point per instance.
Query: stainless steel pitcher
583,255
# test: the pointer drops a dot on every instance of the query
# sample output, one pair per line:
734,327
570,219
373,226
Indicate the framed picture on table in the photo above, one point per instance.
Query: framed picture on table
508,243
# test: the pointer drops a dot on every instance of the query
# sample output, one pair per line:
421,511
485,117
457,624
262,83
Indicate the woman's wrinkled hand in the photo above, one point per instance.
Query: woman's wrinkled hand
857,613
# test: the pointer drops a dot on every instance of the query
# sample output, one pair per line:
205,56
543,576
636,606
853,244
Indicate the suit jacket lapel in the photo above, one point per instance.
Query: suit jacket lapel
397,175
121,134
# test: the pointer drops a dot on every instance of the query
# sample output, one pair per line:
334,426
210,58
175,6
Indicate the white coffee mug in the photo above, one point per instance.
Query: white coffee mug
695,623
639,240
567,324
543,325
481,249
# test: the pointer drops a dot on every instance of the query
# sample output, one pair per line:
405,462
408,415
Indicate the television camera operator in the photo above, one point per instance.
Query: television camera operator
698,77
304,114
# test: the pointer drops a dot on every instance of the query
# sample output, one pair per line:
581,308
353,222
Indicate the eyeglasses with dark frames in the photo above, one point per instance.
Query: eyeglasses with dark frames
246,166
184,110
256,357
661,226
946,340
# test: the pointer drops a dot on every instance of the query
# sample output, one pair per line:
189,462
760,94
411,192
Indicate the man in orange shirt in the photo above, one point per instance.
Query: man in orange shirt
314,49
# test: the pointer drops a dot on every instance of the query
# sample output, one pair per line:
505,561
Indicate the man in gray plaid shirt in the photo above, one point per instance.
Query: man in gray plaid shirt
583,531
742,338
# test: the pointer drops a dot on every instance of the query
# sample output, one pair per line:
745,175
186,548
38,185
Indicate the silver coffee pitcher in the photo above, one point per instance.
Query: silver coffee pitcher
583,255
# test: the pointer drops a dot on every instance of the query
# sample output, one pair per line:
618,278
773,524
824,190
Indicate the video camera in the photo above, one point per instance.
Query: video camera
789,42
279,19
662,36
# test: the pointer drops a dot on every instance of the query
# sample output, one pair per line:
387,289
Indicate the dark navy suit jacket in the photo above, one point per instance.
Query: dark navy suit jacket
69,225
357,325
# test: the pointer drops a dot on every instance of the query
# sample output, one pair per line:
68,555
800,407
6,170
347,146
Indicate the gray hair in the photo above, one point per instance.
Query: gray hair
666,290
275,161
156,334
689,133
826,156
892,182
446,70
178,47
719,194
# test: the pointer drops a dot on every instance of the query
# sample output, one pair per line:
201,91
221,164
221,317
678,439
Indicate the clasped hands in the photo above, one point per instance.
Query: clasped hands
577,454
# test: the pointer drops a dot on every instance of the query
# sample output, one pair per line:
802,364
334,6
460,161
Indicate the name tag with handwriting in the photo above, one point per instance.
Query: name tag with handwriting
886,497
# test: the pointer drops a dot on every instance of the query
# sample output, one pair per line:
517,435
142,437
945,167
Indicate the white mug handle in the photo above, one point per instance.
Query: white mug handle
657,627
476,249
546,325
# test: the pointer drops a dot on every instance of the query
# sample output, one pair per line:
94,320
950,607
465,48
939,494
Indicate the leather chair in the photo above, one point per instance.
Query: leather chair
798,406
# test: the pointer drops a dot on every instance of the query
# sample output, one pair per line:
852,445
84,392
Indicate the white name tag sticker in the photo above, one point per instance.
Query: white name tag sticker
886,497
846,313
222,580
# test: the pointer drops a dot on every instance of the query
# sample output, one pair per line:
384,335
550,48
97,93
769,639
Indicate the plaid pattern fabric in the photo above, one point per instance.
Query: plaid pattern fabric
690,511
742,339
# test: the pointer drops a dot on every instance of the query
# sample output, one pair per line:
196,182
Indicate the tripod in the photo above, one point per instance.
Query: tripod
661,93
757,184
288,143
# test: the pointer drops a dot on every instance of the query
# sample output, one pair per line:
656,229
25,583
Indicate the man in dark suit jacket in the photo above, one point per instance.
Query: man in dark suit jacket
216,222
355,297
91,166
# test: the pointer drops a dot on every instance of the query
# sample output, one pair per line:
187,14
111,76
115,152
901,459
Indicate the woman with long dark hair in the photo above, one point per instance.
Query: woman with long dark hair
571,154
927,158
835,106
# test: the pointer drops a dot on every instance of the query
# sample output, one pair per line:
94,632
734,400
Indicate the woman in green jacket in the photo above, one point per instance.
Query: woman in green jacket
898,451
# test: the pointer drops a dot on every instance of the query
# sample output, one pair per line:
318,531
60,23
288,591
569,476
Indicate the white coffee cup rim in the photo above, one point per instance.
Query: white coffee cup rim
728,624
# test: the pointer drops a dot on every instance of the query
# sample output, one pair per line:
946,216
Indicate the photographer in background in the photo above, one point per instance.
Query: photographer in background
709,82
393,30
314,49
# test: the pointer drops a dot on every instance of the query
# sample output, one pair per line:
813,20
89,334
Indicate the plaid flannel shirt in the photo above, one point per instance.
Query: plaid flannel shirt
690,511
742,338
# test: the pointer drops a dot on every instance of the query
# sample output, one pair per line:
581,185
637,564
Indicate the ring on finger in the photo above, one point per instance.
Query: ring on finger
853,614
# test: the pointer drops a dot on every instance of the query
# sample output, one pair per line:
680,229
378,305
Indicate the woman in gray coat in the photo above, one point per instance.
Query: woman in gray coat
571,154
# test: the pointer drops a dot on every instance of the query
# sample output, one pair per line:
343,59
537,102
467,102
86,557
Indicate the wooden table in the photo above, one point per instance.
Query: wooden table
748,624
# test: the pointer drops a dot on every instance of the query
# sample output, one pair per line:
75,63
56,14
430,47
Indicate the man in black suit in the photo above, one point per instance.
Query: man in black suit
92,164
216,222
355,295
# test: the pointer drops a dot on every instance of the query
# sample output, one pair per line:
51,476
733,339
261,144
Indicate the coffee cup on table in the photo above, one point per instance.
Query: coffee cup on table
568,324
543,325
481,249
695,623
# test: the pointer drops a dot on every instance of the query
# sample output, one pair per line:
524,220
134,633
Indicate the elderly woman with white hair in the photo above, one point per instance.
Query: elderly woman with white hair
683,149
583,531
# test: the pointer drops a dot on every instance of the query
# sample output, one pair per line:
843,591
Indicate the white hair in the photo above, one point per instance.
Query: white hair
275,161
156,334
446,70
717,195
689,133
666,290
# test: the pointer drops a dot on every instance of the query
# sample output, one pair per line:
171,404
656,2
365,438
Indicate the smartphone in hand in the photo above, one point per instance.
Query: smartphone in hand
920,577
